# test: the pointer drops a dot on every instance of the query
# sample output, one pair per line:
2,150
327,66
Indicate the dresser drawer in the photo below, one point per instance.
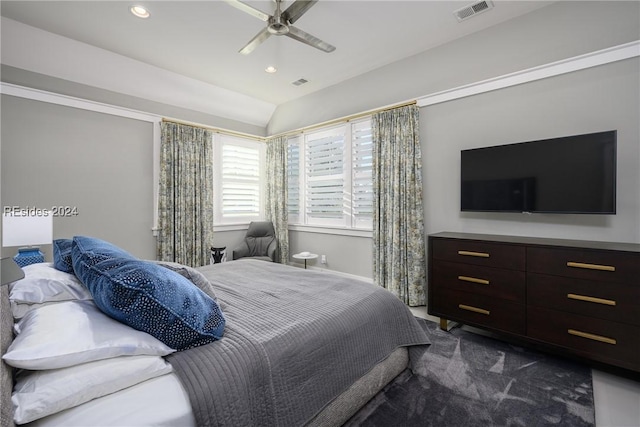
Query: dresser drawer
585,264
480,309
480,253
494,282
603,300
602,340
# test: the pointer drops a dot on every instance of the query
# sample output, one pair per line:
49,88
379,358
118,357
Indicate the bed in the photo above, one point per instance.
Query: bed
300,347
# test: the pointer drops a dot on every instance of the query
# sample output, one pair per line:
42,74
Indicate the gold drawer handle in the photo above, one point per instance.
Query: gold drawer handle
476,254
473,280
591,266
592,336
474,309
591,299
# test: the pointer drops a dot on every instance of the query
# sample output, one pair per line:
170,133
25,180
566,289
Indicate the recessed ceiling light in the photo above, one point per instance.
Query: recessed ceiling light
139,11
271,69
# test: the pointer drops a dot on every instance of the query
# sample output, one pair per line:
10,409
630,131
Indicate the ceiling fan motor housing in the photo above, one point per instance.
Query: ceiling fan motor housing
277,27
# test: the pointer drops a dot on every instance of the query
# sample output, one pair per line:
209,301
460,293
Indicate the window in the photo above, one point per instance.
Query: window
330,177
238,177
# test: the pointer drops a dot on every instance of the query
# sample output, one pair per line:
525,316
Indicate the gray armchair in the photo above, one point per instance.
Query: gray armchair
259,243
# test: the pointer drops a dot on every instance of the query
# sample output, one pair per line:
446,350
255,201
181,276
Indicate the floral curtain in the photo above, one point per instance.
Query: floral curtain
185,202
276,194
398,222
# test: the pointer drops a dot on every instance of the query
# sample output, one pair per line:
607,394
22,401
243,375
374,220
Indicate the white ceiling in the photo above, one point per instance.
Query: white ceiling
201,39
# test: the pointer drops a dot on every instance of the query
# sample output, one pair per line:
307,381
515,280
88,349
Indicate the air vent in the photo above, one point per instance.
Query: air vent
299,82
473,9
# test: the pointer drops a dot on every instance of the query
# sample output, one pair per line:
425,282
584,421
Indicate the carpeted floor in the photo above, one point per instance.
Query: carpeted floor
465,379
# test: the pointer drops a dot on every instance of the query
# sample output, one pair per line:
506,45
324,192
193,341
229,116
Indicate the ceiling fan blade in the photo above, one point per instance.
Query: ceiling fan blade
249,9
259,38
297,9
301,36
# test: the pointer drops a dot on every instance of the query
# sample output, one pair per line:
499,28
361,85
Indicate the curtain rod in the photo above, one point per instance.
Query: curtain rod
295,131
216,130
344,119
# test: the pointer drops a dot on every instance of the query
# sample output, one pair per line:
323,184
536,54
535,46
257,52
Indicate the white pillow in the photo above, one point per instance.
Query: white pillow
43,283
20,309
41,393
73,332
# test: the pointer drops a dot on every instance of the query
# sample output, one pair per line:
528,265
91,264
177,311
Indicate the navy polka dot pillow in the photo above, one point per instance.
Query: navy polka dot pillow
153,299
91,250
62,255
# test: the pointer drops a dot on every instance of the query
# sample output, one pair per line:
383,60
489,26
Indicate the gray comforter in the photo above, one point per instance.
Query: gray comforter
294,340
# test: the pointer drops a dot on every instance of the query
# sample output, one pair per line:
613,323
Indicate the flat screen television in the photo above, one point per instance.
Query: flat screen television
572,175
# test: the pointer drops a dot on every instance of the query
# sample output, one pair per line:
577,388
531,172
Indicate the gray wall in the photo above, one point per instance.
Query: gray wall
606,97
347,254
228,239
359,250
101,164
601,98
597,99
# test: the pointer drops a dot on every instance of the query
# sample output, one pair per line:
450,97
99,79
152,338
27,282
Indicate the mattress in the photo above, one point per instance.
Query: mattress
160,401
163,402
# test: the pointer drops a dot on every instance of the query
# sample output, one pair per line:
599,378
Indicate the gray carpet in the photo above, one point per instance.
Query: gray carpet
465,379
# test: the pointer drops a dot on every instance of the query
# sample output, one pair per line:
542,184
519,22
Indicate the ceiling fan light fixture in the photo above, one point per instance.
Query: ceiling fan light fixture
139,11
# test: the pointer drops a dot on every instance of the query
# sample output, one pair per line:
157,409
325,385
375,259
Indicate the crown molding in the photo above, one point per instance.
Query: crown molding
569,65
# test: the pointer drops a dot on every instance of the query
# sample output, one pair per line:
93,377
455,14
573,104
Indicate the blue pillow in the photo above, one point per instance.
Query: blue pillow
92,250
153,299
62,255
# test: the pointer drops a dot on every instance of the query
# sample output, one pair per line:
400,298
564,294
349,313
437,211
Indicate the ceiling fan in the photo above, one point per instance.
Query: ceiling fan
280,24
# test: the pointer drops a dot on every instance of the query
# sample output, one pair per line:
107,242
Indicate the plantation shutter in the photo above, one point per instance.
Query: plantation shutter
324,164
362,174
240,181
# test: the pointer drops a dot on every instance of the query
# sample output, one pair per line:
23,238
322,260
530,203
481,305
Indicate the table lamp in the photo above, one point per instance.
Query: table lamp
27,230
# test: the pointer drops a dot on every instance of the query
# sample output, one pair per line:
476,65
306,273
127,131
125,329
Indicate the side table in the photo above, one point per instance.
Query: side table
305,256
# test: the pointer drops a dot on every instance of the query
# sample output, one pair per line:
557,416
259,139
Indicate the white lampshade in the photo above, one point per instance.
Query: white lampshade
27,230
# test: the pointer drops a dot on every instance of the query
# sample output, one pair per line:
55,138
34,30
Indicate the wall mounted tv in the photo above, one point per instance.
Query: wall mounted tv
572,174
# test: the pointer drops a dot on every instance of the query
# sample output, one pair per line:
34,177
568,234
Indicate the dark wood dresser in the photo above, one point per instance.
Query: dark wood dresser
576,297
